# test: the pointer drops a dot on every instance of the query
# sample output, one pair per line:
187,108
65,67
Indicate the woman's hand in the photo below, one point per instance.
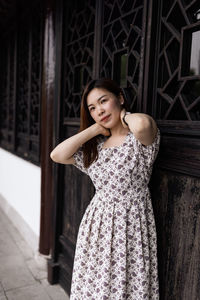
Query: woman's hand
99,129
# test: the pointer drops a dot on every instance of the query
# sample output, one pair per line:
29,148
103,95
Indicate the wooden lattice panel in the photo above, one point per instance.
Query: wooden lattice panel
7,90
178,96
22,96
78,54
121,47
21,65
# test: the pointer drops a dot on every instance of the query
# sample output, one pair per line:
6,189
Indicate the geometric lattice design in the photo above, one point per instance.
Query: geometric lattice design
177,98
20,88
78,54
22,95
122,33
6,94
36,73
29,62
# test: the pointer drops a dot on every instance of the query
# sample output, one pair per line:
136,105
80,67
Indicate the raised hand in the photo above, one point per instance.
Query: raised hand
101,130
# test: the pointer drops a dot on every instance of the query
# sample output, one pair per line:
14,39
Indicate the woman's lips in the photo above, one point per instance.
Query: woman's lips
105,119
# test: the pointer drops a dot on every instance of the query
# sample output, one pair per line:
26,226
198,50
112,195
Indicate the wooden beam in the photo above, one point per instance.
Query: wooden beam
48,83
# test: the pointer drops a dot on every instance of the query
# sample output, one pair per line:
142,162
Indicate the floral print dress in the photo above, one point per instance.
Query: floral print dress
116,250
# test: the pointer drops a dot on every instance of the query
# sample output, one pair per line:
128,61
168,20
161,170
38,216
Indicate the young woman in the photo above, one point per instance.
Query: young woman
115,257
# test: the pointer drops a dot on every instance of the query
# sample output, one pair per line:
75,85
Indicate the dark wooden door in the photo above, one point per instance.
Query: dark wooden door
143,45
176,180
99,39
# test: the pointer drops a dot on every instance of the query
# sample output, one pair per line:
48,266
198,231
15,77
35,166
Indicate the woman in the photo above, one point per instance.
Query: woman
115,255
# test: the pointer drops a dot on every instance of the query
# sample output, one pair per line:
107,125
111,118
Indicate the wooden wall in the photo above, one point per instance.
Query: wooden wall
176,201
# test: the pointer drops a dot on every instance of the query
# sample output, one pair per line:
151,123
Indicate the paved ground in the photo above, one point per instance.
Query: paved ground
22,273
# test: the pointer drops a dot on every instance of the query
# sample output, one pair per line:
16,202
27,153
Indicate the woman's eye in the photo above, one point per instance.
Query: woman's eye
91,109
103,100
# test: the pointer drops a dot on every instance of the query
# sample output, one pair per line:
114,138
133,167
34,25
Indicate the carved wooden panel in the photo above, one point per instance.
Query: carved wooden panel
111,39
99,39
175,182
29,62
21,66
78,46
123,32
178,95
78,65
7,104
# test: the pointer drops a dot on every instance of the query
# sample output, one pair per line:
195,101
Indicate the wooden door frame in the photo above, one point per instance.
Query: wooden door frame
47,99
57,172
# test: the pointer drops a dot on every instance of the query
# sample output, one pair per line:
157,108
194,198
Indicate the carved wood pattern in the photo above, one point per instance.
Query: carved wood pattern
73,190
123,30
21,87
78,53
120,21
7,105
4,93
22,95
177,99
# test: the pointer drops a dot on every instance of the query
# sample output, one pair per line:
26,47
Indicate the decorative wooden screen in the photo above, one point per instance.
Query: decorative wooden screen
176,101
178,88
78,54
123,25
141,44
176,106
100,39
7,104
77,70
123,30
21,59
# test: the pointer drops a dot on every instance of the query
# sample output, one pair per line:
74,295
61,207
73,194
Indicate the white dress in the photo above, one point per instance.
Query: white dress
116,250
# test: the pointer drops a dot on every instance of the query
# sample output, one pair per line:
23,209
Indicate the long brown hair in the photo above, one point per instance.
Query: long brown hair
90,152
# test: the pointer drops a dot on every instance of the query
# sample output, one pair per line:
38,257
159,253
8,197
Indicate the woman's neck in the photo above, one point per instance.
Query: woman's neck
118,130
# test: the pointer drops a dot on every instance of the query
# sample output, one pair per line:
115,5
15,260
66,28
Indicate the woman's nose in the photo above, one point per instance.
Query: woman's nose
100,110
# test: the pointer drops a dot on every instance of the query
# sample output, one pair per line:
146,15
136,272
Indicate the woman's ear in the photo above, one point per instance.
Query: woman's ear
121,99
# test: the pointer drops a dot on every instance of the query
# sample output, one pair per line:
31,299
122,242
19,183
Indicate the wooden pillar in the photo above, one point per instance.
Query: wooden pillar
58,169
48,85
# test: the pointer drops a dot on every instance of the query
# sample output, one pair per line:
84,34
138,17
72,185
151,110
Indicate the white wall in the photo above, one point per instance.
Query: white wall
20,184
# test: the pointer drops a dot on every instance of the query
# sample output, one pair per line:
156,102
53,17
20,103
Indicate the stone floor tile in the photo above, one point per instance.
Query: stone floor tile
23,272
38,271
54,291
14,272
17,238
1,290
8,246
25,249
33,292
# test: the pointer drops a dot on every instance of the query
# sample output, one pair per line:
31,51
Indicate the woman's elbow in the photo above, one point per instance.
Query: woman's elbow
54,157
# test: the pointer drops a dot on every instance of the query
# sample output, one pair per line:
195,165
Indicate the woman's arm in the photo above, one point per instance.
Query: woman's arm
63,152
142,126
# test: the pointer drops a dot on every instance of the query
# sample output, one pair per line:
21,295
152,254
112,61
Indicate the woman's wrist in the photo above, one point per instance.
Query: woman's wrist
99,129
125,118
95,129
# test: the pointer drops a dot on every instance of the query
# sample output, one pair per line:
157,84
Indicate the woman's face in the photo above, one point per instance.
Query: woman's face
104,107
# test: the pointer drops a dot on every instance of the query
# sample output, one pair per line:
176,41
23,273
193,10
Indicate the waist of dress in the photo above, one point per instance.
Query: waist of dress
124,195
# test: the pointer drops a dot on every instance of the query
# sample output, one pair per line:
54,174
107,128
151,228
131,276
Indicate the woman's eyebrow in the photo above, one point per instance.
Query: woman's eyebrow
97,100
